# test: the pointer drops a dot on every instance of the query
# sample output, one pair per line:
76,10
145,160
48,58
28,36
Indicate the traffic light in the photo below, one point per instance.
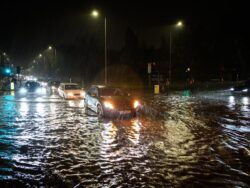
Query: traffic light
7,71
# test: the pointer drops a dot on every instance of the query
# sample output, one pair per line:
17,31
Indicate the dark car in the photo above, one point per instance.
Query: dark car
52,86
110,102
32,87
242,88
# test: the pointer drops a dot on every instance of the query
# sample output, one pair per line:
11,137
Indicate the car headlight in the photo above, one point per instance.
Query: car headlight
108,105
232,89
136,103
83,94
245,90
23,90
70,94
41,90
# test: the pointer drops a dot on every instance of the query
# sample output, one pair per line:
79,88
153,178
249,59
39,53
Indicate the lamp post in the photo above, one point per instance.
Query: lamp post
51,48
178,25
96,14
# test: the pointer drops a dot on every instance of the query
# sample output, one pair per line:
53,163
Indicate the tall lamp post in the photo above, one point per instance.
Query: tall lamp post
51,48
96,14
178,25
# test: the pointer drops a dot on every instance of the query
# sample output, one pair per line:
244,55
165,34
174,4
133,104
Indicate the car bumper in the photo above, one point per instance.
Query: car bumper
128,113
74,97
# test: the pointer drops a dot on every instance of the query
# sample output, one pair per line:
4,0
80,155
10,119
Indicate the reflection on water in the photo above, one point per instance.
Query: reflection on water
194,143
231,101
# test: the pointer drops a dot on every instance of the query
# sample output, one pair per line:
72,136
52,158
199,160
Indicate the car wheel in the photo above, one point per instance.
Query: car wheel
100,113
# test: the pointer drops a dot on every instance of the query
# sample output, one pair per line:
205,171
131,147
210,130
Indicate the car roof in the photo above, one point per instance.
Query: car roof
102,86
69,83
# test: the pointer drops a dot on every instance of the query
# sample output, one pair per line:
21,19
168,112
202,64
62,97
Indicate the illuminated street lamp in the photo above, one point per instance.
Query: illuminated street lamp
95,14
40,56
179,24
51,48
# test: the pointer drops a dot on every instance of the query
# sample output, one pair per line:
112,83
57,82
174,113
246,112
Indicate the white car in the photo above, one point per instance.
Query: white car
71,91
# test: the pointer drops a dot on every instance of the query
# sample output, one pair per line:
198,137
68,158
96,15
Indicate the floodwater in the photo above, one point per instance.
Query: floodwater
197,141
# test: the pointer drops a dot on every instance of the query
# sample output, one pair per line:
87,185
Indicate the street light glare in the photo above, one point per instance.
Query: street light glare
179,24
40,55
95,13
50,47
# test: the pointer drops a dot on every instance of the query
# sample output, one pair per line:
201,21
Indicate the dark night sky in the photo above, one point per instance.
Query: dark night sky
29,27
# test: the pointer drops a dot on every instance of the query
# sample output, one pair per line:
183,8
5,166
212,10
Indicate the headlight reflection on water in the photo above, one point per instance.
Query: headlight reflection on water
231,101
40,109
245,101
245,106
135,131
24,108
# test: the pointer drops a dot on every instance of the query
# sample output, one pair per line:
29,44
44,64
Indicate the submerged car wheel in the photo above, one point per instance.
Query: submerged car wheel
100,113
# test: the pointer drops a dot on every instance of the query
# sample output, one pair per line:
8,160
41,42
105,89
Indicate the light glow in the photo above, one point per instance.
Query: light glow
136,104
23,90
245,90
95,13
83,94
70,94
108,105
179,24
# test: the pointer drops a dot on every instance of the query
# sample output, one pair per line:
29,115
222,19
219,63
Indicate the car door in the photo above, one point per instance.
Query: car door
88,98
61,90
94,98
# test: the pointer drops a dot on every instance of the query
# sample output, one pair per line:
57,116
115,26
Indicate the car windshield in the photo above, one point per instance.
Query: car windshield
111,92
55,83
70,87
32,84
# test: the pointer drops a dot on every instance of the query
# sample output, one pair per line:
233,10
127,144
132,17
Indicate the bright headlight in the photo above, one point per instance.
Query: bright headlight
245,90
232,89
41,90
136,104
108,105
83,94
70,94
23,90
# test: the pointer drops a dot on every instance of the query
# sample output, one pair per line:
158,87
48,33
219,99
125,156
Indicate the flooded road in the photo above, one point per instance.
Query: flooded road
197,141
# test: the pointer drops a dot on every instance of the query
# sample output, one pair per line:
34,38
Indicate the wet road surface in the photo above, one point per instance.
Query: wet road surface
197,141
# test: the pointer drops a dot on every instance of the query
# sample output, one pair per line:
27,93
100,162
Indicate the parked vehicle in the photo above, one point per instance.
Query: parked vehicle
52,86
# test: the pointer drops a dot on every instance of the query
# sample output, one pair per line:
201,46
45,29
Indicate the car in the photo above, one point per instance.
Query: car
32,87
242,88
52,86
109,101
70,91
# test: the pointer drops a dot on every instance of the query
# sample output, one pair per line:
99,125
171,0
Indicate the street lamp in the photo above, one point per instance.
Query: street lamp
40,56
95,14
179,24
51,48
